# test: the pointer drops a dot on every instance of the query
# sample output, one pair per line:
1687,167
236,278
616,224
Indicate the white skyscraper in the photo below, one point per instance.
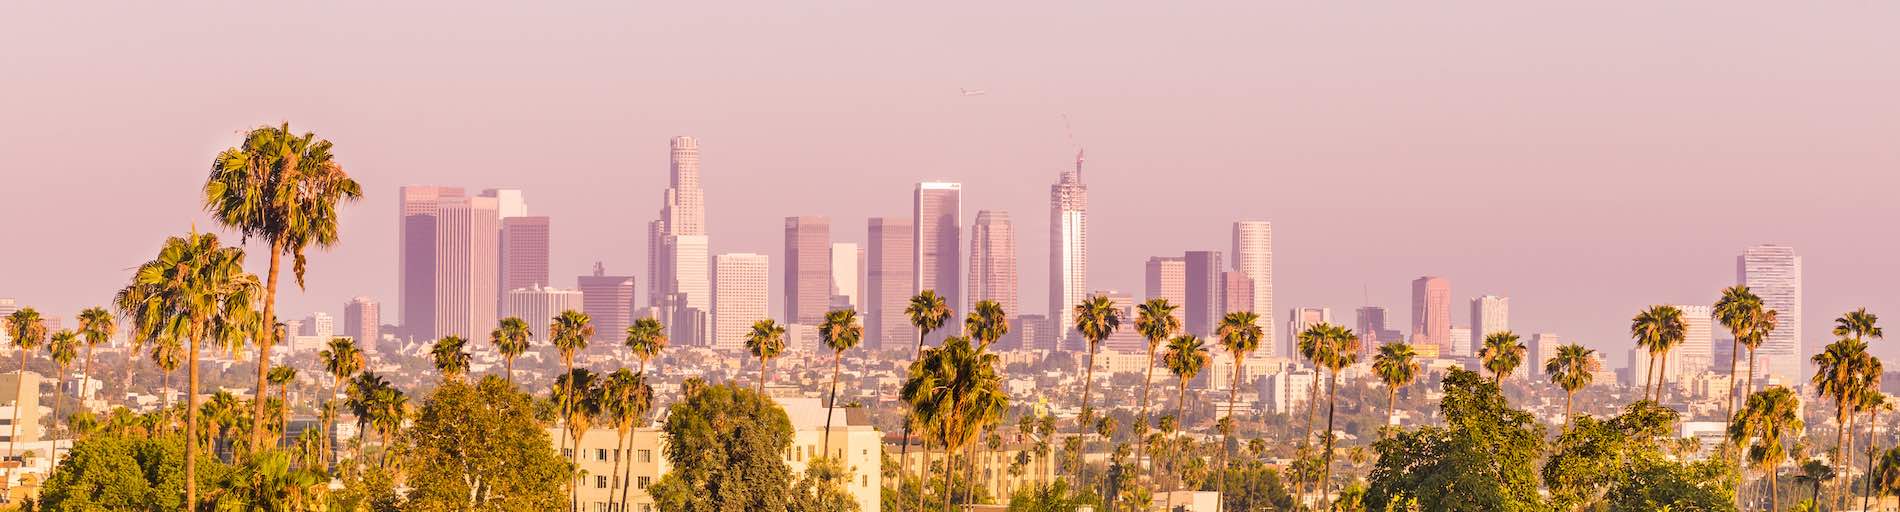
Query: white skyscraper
1068,248
1541,348
692,283
938,257
742,281
538,306
467,267
1696,353
1490,314
1773,272
1460,348
846,268
1253,257
1302,318
508,202
682,213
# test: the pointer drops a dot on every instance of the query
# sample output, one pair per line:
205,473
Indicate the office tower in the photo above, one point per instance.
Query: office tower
742,282
938,210
1540,348
691,301
807,269
1773,272
1490,314
1458,347
847,273
524,252
509,202
1431,313
363,321
608,300
889,282
1237,295
416,258
1695,354
682,213
7,307
1299,319
1368,321
1068,248
1126,340
1253,256
1167,279
538,306
1202,271
1032,332
467,267
993,261
320,325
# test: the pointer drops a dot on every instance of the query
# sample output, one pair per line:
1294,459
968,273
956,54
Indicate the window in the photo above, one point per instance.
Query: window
643,482
567,453
865,480
600,506
644,455
600,481
646,507
600,454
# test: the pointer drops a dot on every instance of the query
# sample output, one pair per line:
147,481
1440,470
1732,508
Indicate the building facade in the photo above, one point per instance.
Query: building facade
1773,272
538,306
888,282
467,267
1490,314
1431,313
807,269
1253,256
524,252
419,211
608,300
742,280
993,261
1202,271
938,210
1068,248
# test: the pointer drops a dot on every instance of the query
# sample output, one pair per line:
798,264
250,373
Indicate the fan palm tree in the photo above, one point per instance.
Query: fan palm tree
625,398
511,340
1658,330
927,312
1397,366
1342,351
986,323
283,188
388,407
1096,318
282,376
1156,322
1873,401
128,303
26,330
167,355
1501,355
1858,324
1572,369
1769,417
580,389
1840,374
1813,473
449,358
569,331
840,332
1310,344
1739,310
1105,427
195,287
646,338
1887,474
63,348
955,388
96,326
341,359
1239,334
765,341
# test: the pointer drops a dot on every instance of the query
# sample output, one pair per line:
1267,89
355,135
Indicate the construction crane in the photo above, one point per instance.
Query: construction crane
1078,149
973,92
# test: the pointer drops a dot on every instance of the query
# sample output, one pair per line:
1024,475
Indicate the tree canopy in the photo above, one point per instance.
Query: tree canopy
726,446
478,447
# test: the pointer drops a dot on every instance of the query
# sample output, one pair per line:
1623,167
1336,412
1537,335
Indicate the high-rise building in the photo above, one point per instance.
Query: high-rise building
742,282
847,276
1460,348
538,306
682,213
362,320
1490,314
1371,326
938,210
993,261
807,269
1431,314
1773,272
467,268
1237,295
1540,349
1126,341
1253,256
608,300
1068,248
1695,353
1202,270
416,258
1301,318
691,300
1031,332
509,203
888,282
524,252
1167,279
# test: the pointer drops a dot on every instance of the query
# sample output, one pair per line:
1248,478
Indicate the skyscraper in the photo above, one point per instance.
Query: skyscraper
1373,331
538,306
1431,313
608,300
691,300
742,280
1773,272
682,213
1541,347
1253,256
993,261
524,252
1490,314
1202,271
362,320
1166,278
1301,318
415,265
1126,341
847,276
467,267
1237,295
1695,354
938,210
889,282
1068,248
807,269
509,203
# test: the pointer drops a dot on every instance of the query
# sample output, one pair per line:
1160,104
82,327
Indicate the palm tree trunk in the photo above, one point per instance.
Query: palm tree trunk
1774,497
508,367
1662,377
85,376
1392,405
949,471
1326,473
1141,440
1867,479
573,484
1734,357
266,336
626,476
283,394
567,408
837,362
1082,422
58,400
1649,375
1840,447
923,470
1847,462
1233,395
903,451
1569,396
18,398
1741,454
614,478
762,363
191,421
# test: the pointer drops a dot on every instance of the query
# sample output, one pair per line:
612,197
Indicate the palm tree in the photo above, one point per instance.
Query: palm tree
283,188
1156,322
63,349
1572,369
450,360
1887,477
1873,401
96,326
580,389
1860,325
625,398
1502,354
511,340
955,388
928,312
1105,427
1769,417
1240,334
1342,351
167,354
840,332
196,285
569,331
986,323
1657,329
765,341
281,376
646,338
1813,473
388,407
1840,374
1738,310
1096,318
26,330
1397,366
341,360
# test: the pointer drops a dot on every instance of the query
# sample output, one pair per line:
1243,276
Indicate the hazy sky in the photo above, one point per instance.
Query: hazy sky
1584,159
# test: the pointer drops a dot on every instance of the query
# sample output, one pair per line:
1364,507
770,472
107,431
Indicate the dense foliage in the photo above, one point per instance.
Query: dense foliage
1483,459
725,444
477,447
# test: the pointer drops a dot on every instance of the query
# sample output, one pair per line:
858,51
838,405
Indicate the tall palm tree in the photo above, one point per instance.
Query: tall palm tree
1769,418
1873,401
986,323
167,355
1859,325
1572,369
341,359
388,407
511,340
765,341
1187,355
63,348
840,332
26,330
1342,351
128,302
1658,330
450,360
927,312
1397,366
646,338
1156,322
1840,374
1096,318
955,387
96,326
1502,354
625,399
580,389
282,376
1310,345
569,332
1239,334
197,286
283,188
1738,310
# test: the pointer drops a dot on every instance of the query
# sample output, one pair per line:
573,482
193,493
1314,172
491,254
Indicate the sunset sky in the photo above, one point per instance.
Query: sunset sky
1585,159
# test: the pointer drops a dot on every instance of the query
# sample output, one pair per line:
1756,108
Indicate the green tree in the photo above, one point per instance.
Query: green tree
1769,418
825,487
646,338
26,330
1239,334
267,482
1156,322
955,389
840,332
1483,458
1096,318
124,470
96,327
1620,464
1187,355
510,338
1658,330
450,360
1502,354
580,390
569,332
341,359
1397,367
1842,373
283,188
927,312
725,444
625,400
478,447
765,341
1740,311
62,348
283,376
1342,351
1572,369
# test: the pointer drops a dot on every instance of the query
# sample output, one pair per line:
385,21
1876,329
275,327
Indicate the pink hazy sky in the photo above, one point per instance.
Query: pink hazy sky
1583,159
